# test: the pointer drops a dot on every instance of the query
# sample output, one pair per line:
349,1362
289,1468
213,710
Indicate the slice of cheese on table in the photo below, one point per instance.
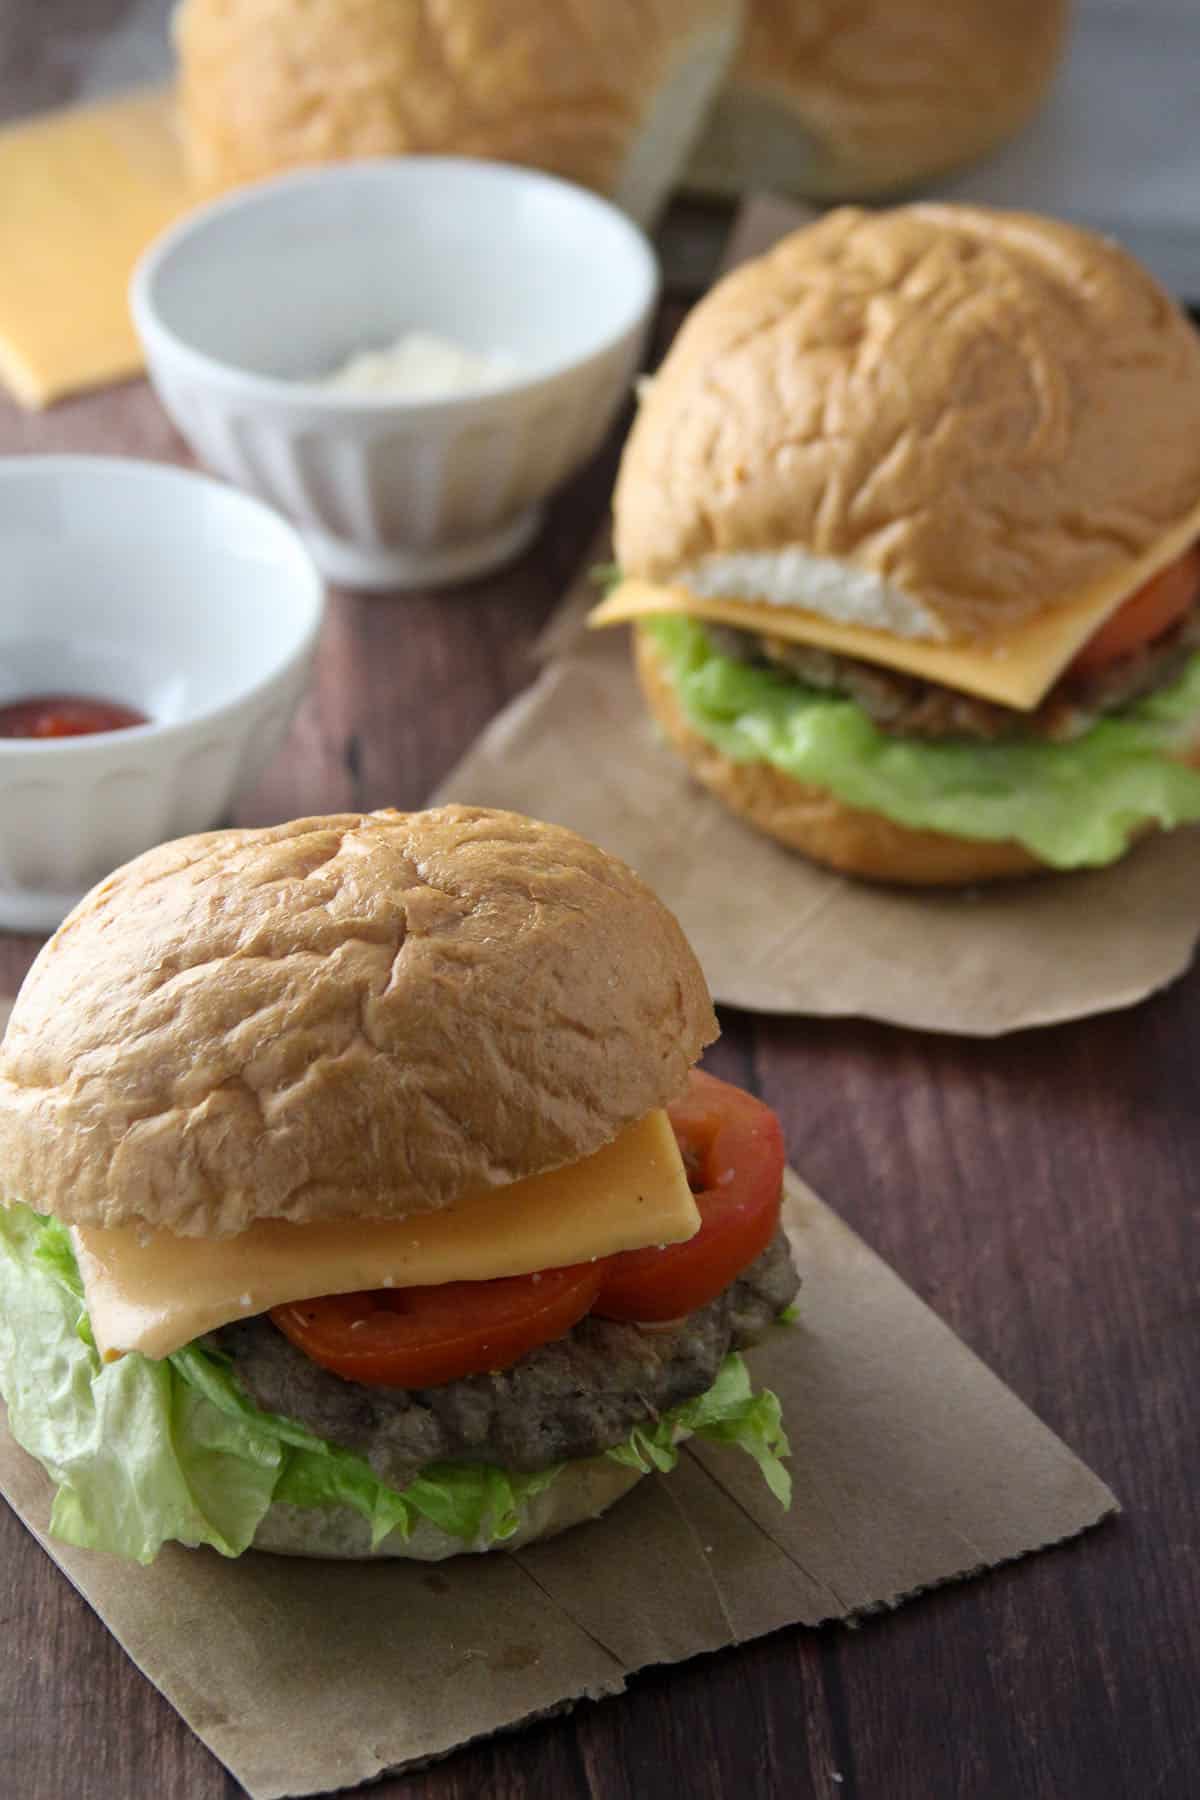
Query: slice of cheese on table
1017,670
157,1295
82,193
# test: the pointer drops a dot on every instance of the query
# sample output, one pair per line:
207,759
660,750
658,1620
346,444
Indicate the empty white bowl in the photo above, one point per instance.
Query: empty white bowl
161,590
244,305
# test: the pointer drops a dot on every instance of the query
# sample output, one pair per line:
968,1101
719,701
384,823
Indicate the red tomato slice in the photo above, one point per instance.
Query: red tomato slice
1144,616
423,1336
733,1149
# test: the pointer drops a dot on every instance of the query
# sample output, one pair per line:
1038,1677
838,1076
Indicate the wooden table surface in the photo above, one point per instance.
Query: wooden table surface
1040,1192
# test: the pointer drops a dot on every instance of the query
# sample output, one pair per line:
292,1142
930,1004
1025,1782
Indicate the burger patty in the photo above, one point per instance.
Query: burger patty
906,706
575,1397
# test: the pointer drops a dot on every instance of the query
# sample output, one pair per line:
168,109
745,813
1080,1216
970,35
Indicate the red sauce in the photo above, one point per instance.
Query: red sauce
65,715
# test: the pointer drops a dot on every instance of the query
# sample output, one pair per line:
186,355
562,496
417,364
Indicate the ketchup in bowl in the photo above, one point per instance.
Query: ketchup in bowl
65,715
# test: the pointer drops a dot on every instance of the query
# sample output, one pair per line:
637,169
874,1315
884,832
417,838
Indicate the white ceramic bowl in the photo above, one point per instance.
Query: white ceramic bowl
165,591
245,304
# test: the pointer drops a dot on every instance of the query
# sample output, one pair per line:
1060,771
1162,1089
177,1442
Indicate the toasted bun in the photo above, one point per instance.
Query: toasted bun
354,1016
842,101
583,1491
973,412
612,96
815,821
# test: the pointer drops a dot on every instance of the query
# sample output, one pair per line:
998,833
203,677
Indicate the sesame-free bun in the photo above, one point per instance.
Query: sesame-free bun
942,419
612,96
582,1491
850,99
358,1016
814,821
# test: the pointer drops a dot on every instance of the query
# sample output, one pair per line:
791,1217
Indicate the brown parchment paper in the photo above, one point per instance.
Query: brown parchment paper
913,1465
777,934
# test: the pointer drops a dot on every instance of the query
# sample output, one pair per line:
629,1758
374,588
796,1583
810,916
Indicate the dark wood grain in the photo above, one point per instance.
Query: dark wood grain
1042,1192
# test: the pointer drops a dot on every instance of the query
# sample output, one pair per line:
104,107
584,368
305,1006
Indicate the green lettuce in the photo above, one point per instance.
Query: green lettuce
1072,804
729,1413
142,1452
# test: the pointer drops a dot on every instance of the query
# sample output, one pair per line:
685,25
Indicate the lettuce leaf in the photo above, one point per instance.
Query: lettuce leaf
606,576
729,1413
1072,804
143,1452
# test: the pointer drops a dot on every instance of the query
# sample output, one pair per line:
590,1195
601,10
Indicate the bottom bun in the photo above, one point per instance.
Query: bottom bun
583,1491
815,821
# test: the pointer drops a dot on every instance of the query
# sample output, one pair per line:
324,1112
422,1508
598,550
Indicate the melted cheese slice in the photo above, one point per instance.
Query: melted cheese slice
1018,670
158,1295
82,193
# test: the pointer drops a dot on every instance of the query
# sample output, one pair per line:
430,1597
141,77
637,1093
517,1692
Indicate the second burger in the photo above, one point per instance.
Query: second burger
908,527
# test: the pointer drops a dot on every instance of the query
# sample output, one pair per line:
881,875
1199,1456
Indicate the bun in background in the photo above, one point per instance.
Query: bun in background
854,99
611,96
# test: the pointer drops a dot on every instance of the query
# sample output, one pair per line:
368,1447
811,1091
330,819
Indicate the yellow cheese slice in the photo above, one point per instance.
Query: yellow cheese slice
1018,670
158,1295
82,192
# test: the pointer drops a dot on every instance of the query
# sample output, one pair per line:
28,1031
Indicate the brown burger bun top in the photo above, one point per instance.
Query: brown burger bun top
357,1016
986,410
267,85
847,99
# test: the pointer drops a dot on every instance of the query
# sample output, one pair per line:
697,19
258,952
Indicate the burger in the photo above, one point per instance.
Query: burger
852,99
610,96
907,525
361,1197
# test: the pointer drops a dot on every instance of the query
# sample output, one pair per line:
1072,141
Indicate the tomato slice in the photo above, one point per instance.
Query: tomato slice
1154,608
420,1337
425,1336
733,1149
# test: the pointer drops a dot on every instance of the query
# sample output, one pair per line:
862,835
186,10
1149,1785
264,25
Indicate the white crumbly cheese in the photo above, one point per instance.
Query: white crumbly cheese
420,365
821,584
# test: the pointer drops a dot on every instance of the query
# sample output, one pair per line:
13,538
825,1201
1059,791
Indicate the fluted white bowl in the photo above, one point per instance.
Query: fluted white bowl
162,590
245,304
